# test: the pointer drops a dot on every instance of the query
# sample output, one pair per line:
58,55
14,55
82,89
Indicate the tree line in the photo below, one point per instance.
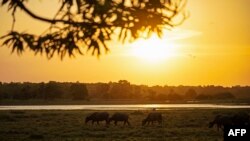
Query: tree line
122,90
51,90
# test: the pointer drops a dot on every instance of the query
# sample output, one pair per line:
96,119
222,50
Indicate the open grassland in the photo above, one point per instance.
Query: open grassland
178,125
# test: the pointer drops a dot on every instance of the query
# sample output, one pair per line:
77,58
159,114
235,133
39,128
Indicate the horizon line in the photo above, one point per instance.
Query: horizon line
149,85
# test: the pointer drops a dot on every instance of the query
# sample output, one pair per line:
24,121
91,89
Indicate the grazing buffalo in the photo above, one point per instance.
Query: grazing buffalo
97,117
119,117
237,119
220,121
216,121
152,117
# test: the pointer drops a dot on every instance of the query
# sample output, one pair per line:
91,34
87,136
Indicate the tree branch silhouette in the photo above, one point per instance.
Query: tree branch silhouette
83,25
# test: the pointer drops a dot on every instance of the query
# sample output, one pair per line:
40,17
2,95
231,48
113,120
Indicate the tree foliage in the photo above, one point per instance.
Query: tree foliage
190,94
83,25
47,91
122,90
52,90
78,91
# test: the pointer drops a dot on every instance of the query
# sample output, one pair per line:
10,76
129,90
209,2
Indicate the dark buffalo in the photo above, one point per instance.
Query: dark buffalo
97,117
116,117
152,117
216,122
221,121
241,118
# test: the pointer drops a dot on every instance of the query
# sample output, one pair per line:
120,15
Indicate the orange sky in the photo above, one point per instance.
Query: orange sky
212,47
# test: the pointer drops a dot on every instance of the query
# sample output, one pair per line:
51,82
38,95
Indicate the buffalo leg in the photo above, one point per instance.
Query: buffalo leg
151,122
128,123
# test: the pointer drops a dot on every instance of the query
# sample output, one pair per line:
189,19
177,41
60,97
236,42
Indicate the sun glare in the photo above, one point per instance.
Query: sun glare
153,49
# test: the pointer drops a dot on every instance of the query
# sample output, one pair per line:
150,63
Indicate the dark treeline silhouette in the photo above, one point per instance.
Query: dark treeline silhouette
124,90
121,90
51,90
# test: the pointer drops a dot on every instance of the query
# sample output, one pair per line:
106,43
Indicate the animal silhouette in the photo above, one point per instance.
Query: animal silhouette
97,117
123,117
151,118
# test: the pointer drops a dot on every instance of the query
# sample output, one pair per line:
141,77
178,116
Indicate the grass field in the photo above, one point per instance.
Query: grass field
178,125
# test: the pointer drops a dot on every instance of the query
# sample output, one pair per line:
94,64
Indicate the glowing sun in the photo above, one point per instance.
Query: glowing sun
153,49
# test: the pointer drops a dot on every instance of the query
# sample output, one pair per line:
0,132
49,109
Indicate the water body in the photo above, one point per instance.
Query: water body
125,107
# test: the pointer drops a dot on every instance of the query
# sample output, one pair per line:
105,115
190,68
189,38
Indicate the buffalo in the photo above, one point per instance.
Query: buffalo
97,117
241,118
220,121
237,119
152,117
116,117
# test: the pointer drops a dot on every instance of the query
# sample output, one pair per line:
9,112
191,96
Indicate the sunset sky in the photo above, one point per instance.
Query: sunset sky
212,47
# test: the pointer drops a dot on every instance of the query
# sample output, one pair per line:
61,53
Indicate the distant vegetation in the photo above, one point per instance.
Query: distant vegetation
121,90
48,91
